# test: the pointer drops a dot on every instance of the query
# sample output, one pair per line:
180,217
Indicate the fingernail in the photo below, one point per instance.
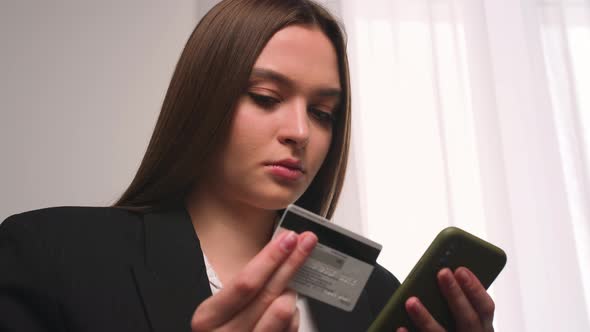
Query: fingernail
308,242
463,277
446,276
289,241
413,305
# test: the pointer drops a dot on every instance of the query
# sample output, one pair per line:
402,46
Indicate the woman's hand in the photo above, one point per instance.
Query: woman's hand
471,306
257,299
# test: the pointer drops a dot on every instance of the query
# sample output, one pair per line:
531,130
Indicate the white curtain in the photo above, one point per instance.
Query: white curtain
476,113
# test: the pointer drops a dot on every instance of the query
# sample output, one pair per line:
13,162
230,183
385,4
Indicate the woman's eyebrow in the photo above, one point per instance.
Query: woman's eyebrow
281,79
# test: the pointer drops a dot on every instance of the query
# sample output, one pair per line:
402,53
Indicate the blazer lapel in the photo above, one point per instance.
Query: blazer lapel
172,281
330,318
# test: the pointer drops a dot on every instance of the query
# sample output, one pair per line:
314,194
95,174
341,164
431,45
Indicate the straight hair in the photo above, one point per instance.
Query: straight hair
212,73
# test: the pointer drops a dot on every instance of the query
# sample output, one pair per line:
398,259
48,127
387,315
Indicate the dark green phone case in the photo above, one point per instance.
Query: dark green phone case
452,248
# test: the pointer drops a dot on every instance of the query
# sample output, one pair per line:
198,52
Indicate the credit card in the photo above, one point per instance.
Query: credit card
338,268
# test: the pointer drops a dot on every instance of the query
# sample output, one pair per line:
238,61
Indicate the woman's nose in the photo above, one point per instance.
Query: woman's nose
295,126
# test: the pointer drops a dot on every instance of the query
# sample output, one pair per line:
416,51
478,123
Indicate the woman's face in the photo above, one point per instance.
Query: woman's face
282,127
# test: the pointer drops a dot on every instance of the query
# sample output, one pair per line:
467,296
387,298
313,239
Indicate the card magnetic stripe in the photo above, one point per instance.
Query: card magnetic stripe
332,238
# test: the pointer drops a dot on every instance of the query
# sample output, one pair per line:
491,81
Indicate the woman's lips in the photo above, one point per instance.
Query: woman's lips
284,172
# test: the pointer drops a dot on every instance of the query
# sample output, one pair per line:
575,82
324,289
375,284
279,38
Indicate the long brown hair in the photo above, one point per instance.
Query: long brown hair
211,75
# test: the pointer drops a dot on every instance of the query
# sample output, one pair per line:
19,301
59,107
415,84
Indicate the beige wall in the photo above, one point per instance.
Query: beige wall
81,84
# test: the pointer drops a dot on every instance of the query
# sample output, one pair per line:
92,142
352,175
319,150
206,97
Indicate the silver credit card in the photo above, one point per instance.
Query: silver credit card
339,266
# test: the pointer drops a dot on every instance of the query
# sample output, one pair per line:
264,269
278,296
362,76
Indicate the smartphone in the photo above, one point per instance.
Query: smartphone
452,248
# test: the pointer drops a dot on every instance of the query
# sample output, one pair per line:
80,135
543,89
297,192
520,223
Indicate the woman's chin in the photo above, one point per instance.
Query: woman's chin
277,200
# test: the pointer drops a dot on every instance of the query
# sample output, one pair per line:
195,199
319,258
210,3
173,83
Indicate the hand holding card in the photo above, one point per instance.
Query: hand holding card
339,266
256,299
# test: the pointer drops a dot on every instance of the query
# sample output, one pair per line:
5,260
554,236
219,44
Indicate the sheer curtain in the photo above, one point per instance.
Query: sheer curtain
476,113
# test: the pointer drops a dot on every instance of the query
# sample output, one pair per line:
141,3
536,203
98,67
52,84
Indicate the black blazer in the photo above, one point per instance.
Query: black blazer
108,269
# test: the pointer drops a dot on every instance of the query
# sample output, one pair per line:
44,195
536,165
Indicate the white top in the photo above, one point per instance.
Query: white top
306,323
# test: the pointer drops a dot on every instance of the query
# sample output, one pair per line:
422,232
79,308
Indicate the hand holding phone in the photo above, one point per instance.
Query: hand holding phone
453,248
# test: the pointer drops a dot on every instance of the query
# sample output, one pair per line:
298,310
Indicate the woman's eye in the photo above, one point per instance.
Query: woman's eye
264,101
322,116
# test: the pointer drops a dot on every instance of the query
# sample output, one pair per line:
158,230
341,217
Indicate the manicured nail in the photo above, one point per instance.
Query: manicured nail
289,241
308,242
463,277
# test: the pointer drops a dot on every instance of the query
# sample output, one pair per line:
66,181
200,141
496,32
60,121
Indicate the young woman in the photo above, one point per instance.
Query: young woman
257,116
